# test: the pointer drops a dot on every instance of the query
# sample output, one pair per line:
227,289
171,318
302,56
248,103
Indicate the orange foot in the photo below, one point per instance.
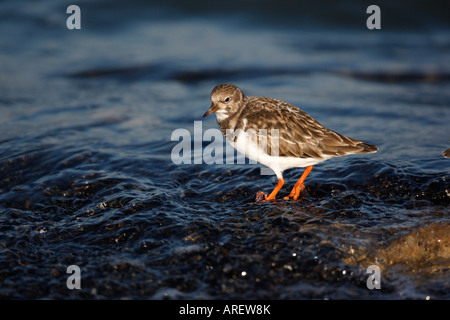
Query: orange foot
261,196
295,192
299,186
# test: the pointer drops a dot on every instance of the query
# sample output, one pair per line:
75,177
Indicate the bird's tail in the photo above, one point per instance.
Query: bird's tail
367,147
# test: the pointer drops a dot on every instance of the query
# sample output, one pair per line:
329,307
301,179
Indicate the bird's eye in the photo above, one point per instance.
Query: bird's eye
227,99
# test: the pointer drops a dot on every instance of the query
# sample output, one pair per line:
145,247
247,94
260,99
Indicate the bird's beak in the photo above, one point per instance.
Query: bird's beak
211,110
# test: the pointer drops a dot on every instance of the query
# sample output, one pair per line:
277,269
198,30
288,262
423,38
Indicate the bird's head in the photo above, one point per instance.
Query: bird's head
225,100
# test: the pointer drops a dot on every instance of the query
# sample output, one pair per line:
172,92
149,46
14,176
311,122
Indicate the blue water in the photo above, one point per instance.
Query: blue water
87,179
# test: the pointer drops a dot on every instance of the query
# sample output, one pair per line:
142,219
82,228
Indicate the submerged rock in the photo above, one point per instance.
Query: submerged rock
425,250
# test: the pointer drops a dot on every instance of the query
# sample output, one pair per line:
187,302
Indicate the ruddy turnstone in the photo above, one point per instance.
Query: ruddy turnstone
446,153
277,135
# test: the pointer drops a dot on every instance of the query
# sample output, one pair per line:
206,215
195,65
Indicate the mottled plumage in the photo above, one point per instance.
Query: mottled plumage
446,153
277,134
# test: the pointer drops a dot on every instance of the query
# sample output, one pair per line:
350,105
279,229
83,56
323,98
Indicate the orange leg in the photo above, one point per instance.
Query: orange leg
275,191
299,185
272,195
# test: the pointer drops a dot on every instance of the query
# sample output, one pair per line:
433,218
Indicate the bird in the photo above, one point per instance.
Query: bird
277,135
446,153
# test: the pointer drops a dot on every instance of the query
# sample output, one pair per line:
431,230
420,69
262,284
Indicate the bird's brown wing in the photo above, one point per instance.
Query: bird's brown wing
297,133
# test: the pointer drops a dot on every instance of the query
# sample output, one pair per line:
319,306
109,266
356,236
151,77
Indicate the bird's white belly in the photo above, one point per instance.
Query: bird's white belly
246,144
